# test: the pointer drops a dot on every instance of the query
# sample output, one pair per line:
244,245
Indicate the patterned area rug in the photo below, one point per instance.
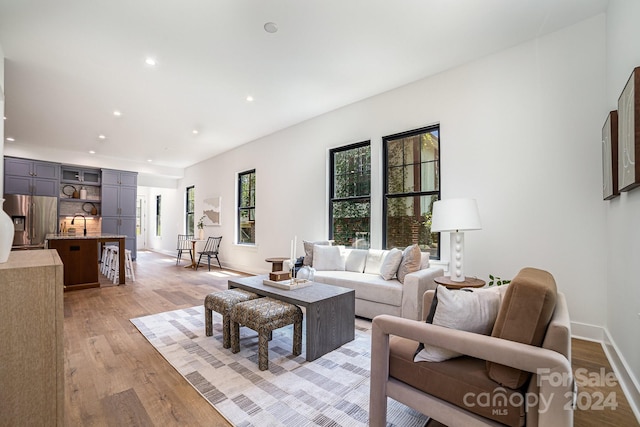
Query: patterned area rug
330,391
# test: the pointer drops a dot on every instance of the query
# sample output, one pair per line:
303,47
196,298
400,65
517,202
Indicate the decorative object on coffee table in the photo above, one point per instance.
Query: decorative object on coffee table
276,263
456,216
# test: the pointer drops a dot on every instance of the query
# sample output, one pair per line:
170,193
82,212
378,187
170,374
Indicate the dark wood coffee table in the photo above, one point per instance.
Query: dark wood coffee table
330,311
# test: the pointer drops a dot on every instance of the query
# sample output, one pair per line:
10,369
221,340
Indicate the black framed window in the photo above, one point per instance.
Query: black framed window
247,207
190,202
158,215
350,195
411,185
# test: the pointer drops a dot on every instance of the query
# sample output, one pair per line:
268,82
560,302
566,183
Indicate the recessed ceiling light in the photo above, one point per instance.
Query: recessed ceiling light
92,152
195,131
249,98
5,117
271,27
117,113
10,139
101,136
149,160
150,62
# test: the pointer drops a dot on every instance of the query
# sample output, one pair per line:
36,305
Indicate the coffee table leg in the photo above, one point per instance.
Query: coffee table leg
330,323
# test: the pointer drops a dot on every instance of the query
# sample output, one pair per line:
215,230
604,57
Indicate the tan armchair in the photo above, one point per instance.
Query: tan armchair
463,391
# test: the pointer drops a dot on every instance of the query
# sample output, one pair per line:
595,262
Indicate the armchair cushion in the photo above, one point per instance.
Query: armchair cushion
471,310
462,381
525,312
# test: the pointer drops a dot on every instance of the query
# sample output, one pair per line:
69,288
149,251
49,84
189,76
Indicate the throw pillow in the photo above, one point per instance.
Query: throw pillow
308,250
390,264
328,258
411,259
471,310
374,261
527,308
356,259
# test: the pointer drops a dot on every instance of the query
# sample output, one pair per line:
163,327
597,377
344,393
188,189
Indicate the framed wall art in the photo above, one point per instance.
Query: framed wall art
629,133
610,157
212,208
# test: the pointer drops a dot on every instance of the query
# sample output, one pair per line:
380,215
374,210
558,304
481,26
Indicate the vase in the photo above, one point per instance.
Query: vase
6,234
201,234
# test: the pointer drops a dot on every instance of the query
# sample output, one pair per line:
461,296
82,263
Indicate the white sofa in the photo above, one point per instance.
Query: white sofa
360,271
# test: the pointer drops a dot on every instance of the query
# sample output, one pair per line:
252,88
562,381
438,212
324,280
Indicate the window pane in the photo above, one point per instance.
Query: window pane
409,222
246,207
350,190
412,163
350,221
352,171
412,184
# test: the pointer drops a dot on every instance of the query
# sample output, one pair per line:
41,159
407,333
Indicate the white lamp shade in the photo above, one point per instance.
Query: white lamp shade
455,215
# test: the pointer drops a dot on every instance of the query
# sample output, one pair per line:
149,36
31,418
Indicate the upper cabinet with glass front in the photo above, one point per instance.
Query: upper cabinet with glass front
75,175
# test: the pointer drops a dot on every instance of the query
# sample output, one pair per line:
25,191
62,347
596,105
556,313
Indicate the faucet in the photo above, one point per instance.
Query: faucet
85,222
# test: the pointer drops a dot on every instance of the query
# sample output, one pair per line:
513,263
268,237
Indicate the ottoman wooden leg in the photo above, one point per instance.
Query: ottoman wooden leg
208,322
226,331
297,336
263,350
235,337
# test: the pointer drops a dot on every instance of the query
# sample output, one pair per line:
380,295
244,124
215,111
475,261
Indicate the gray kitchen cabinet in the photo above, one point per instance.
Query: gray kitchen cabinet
31,177
119,195
76,175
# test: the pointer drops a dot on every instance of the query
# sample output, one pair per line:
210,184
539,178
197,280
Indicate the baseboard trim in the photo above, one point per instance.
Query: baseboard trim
627,380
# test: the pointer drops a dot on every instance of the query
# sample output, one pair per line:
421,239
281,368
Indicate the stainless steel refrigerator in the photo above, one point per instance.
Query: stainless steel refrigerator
33,218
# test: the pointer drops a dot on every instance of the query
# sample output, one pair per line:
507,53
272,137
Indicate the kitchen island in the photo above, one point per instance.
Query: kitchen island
79,255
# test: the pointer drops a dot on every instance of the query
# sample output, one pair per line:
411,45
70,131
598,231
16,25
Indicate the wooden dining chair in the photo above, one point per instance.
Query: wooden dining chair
184,244
210,250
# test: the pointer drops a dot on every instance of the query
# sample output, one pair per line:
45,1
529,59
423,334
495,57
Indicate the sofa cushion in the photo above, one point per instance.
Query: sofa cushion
411,260
462,381
308,250
525,312
355,260
369,287
390,264
375,257
471,310
328,258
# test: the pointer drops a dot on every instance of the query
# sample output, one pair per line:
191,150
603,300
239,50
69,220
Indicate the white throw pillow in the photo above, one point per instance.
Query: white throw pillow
328,258
390,264
308,250
471,310
374,260
355,260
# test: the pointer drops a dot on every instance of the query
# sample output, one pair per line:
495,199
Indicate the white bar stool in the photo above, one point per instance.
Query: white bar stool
114,265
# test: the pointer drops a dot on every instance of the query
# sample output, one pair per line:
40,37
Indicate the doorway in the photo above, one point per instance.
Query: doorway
141,222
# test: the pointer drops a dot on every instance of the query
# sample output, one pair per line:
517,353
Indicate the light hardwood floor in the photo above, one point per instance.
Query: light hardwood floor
114,377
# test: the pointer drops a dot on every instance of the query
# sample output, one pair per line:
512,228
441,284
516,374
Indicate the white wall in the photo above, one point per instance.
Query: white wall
623,213
520,131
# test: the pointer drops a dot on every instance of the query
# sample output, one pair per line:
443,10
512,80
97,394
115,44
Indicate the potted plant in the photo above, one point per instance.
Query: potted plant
201,227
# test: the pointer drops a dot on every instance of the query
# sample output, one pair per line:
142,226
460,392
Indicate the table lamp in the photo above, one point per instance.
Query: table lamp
456,216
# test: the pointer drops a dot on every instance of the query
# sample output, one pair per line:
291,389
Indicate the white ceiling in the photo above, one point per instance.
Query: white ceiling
70,63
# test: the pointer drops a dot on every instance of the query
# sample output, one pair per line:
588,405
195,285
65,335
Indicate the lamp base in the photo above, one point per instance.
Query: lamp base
456,261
